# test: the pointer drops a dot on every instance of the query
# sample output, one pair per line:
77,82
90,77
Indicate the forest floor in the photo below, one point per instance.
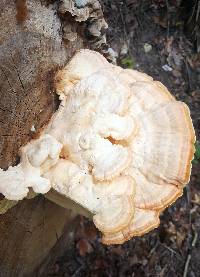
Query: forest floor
148,36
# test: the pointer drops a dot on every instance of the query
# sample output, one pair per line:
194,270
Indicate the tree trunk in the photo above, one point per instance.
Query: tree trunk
36,38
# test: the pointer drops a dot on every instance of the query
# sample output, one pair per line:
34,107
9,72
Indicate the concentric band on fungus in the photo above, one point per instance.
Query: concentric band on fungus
120,145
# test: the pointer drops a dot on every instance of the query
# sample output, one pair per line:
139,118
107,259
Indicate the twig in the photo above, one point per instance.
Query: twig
125,35
198,11
167,5
77,271
189,255
188,74
153,249
194,239
172,251
187,265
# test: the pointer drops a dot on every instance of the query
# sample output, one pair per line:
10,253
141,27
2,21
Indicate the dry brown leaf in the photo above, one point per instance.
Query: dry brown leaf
84,247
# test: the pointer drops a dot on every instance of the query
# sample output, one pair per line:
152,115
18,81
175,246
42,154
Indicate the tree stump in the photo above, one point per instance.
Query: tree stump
36,38
28,232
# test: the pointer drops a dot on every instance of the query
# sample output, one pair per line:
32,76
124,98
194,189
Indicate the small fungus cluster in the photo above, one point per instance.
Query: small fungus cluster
120,146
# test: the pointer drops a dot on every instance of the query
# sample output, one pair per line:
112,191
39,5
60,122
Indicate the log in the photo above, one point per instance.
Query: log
28,232
37,37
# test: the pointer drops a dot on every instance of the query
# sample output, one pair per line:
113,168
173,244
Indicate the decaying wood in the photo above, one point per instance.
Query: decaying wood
28,232
31,50
36,38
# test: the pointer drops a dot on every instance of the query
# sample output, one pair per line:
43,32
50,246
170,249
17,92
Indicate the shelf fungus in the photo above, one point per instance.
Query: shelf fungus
120,146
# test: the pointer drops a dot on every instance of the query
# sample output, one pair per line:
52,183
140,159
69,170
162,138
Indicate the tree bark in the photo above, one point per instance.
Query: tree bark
35,40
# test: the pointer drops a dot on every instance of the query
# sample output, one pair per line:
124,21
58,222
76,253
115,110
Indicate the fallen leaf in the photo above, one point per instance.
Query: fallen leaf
162,22
147,47
180,236
90,232
84,247
196,199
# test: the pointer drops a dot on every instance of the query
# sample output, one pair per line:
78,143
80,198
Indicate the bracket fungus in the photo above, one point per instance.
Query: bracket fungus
120,146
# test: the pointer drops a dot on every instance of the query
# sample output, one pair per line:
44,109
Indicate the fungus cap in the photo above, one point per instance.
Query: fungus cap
120,145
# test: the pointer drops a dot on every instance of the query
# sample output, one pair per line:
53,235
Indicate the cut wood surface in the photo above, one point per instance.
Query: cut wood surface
28,232
33,46
31,50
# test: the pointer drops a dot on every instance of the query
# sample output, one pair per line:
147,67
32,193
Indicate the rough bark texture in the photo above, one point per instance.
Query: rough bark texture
36,38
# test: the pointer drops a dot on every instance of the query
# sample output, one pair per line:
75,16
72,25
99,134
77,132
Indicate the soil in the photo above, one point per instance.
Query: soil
148,35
